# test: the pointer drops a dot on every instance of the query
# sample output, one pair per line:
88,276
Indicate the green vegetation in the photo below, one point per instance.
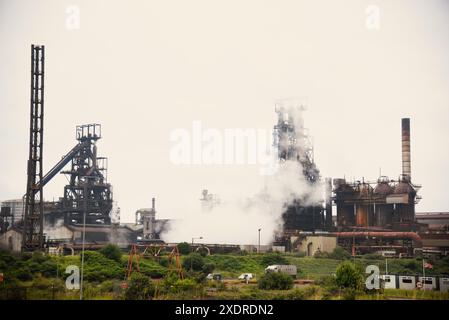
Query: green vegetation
140,287
350,275
276,281
112,251
193,261
336,276
184,248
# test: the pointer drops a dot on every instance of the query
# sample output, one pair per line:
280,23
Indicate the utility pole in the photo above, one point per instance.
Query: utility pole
259,241
83,241
191,260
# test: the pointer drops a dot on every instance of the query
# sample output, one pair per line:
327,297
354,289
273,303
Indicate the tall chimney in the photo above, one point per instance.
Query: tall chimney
406,163
153,206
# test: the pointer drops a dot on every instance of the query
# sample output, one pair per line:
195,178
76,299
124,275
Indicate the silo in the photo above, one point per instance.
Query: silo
364,210
383,215
345,206
404,208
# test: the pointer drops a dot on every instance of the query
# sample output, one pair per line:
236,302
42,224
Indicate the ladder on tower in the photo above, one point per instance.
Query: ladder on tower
33,238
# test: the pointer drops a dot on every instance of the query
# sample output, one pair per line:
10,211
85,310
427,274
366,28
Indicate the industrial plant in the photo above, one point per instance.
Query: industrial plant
362,216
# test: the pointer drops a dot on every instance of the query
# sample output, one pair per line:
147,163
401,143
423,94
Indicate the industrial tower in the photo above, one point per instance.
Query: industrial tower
34,205
293,144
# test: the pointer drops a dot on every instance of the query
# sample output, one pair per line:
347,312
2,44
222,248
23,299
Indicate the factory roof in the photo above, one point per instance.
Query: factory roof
432,215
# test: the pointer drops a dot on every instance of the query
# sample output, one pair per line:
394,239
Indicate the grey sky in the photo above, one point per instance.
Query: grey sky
145,68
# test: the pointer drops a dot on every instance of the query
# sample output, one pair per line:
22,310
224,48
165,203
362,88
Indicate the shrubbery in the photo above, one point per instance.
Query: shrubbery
140,287
273,258
350,276
99,268
184,248
193,261
276,280
112,251
338,253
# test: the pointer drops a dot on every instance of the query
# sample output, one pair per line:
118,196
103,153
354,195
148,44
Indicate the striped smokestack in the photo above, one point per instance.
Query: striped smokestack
406,162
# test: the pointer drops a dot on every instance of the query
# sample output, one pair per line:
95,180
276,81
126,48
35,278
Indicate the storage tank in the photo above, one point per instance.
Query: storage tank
383,212
405,208
364,215
345,209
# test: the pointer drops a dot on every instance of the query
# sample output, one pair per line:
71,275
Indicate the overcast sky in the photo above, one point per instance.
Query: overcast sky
145,68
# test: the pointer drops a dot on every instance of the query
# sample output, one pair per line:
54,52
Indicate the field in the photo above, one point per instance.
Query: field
40,276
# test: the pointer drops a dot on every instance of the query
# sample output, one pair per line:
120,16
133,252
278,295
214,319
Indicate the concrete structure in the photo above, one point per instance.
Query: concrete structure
311,244
70,236
11,240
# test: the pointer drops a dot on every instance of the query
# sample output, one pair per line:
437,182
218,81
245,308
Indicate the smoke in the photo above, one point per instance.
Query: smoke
236,219
53,230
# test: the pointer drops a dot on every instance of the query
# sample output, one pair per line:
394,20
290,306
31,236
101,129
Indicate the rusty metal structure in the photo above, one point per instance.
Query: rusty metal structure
377,214
154,251
88,191
33,224
293,144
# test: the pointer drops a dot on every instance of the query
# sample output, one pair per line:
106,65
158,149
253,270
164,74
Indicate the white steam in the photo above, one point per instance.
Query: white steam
236,219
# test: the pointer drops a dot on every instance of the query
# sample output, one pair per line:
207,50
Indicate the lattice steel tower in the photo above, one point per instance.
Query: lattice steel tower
34,206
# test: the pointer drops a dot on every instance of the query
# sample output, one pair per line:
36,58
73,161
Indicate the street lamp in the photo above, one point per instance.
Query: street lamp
196,238
259,240
191,260
84,240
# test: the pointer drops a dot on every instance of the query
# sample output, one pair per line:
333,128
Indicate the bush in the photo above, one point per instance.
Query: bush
349,294
320,254
273,258
184,248
140,287
276,280
340,253
349,275
112,251
208,268
184,285
193,261
151,268
99,268
327,282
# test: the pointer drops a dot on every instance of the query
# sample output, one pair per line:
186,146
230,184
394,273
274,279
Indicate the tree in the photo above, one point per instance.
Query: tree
112,251
349,275
208,268
193,261
276,280
140,287
184,248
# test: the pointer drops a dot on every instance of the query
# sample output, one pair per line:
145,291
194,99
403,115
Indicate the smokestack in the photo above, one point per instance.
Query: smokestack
153,205
406,163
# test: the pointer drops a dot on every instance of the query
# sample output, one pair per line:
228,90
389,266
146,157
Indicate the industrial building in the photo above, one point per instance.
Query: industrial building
371,216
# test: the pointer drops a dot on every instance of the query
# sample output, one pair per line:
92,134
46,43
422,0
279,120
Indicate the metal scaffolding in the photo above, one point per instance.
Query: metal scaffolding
34,205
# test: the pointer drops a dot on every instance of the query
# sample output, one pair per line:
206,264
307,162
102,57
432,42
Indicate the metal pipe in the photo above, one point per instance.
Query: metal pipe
406,162
378,234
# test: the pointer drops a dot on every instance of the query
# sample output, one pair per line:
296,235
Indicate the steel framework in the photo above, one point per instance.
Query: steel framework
33,238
